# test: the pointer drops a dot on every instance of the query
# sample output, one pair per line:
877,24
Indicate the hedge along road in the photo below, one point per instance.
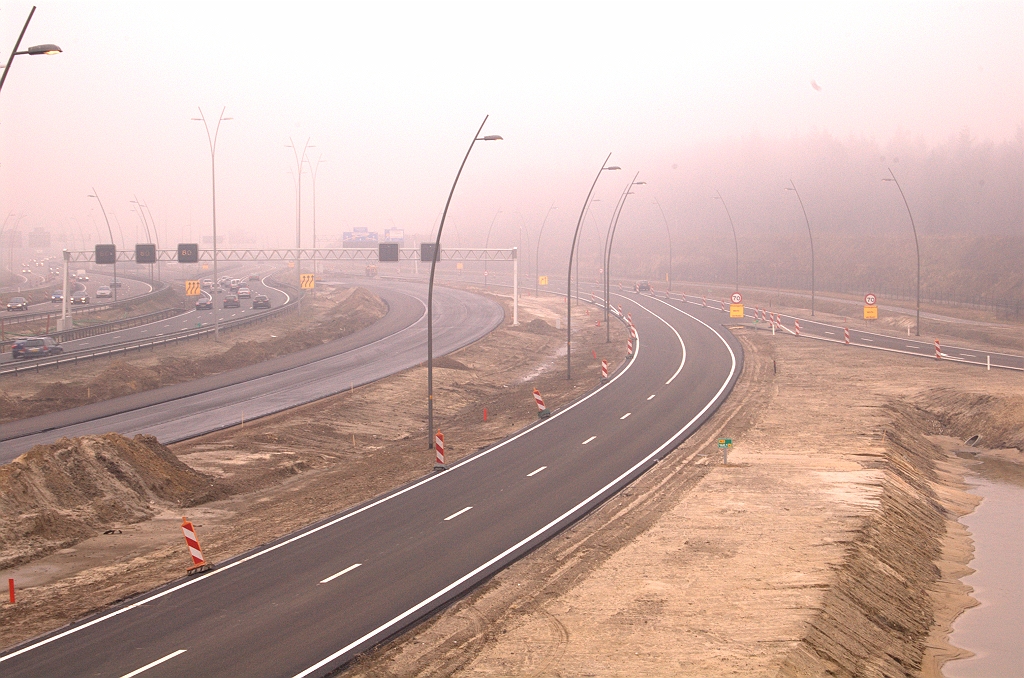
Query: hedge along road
173,413
307,603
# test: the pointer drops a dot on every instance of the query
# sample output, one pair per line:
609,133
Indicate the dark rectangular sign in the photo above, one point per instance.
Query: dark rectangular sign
387,251
106,254
188,252
145,254
427,251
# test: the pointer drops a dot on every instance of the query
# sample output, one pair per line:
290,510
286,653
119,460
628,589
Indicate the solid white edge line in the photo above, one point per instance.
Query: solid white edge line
533,473
152,664
345,571
331,523
589,439
458,513
412,610
681,343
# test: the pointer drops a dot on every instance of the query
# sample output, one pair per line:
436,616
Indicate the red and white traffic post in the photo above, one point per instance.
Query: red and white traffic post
199,564
938,350
846,334
439,451
723,304
796,324
542,411
604,370
704,301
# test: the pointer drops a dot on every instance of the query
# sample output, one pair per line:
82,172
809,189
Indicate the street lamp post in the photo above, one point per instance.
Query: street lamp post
213,191
669,232
33,51
735,240
917,246
572,251
430,285
487,243
536,265
96,195
792,187
608,256
312,172
299,160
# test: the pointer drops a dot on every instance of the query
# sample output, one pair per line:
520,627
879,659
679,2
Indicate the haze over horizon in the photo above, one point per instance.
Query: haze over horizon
698,97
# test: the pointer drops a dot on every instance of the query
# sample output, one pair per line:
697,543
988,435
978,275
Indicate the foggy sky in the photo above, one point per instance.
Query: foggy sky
390,94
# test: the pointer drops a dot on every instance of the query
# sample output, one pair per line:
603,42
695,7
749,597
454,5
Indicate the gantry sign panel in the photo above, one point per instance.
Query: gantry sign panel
186,251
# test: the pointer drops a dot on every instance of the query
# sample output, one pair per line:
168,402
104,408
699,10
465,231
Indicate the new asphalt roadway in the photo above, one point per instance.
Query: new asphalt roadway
310,601
189,409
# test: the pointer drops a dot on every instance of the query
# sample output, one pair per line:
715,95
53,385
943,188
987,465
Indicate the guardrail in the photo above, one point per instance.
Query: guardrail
24,318
104,328
138,345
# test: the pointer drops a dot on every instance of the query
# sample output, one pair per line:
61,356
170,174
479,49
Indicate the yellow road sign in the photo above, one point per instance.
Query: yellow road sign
735,310
192,288
307,281
458,266
543,280
291,264
870,313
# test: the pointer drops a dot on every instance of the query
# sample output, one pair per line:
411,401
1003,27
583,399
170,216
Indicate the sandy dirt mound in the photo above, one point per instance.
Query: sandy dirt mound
999,420
56,495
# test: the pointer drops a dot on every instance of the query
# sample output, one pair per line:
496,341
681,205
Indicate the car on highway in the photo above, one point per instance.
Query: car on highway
116,283
17,304
244,293
82,277
57,296
642,286
253,276
35,347
207,283
103,291
79,298
231,301
261,301
204,304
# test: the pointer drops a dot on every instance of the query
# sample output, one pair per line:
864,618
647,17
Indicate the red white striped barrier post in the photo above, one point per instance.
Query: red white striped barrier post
199,564
542,411
938,350
846,334
704,301
629,347
629,318
620,287
591,297
604,370
723,304
796,324
439,451
620,310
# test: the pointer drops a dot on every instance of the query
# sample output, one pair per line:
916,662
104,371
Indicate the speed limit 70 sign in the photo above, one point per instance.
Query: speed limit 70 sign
736,298
870,299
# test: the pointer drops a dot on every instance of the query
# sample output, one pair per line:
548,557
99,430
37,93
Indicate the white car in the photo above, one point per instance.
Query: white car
244,293
103,291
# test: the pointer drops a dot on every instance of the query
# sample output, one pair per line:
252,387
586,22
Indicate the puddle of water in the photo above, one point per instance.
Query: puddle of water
994,629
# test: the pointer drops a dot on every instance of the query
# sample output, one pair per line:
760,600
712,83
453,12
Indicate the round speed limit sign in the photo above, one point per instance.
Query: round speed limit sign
870,299
737,298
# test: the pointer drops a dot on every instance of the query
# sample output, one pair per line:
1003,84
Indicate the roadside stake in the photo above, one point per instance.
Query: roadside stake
10,587
938,351
604,370
439,464
543,412
199,564
846,334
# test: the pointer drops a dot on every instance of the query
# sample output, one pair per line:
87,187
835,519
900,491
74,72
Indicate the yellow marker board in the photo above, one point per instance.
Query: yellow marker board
307,281
870,313
192,288
735,310
543,279
458,266
291,264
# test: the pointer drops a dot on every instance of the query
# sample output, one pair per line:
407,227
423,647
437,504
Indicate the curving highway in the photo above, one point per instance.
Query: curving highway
309,602
193,408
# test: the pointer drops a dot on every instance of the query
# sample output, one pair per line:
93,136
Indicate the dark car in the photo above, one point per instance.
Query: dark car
79,298
231,301
204,304
642,286
254,276
35,347
17,304
260,301
57,296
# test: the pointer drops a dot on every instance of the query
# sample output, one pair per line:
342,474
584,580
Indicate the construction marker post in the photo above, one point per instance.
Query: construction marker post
604,371
439,464
846,335
938,350
629,348
199,564
542,411
10,587
796,324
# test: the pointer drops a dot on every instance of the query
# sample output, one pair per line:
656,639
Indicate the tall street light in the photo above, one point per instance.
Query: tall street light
487,243
213,193
572,251
430,285
312,171
579,249
792,187
96,195
735,241
300,159
608,255
669,232
536,265
33,51
892,178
